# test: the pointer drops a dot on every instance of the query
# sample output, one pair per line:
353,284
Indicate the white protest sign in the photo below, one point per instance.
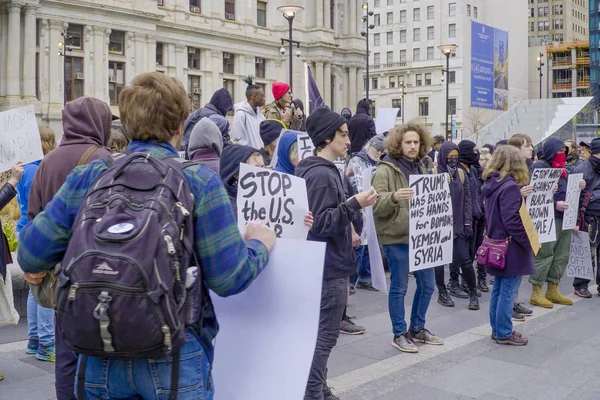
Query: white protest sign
305,146
253,356
340,163
19,137
386,119
378,278
277,199
572,199
540,203
580,258
431,222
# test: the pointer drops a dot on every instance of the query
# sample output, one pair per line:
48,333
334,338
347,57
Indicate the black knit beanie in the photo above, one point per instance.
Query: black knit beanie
595,147
322,124
270,130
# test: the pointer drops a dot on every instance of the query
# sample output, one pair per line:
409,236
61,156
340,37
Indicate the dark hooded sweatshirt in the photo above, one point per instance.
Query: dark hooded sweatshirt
231,158
220,104
459,192
361,127
333,214
549,150
86,122
471,159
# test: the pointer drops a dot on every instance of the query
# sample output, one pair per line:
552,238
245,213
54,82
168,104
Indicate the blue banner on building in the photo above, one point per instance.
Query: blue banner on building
489,67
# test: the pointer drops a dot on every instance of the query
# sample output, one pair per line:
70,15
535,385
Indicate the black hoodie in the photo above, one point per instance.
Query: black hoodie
361,127
333,214
231,158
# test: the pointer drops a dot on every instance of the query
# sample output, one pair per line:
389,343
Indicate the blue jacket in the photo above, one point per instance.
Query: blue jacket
550,149
23,191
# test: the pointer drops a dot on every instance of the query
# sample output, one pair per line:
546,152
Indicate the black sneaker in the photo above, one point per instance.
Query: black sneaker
366,286
583,292
521,309
328,395
517,317
456,291
444,298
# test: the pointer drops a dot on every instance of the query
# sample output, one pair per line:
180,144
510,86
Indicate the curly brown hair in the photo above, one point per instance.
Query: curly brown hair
393,142
508,161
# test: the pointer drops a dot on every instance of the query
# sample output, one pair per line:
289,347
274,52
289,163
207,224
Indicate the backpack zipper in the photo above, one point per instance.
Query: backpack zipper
115,286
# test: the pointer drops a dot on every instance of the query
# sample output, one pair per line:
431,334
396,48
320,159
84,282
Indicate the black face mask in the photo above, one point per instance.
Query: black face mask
469,158
452,163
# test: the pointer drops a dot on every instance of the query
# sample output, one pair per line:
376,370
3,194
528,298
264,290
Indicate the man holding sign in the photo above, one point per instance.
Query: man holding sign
552,259
333,217
406,146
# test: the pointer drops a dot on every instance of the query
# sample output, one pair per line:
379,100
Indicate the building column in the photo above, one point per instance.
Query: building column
360,83
151,53
353,18
43,61
181,63
326,14
320,13
141,51
56,64
327,85
337,102
217,68
29,39
319,71
280,73
13,55
99,63
352,98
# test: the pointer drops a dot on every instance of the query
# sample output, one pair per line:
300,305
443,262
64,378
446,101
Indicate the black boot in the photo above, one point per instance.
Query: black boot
456,291
443,297
473,300
482,285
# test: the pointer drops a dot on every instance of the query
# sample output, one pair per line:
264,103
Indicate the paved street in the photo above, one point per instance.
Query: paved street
558,363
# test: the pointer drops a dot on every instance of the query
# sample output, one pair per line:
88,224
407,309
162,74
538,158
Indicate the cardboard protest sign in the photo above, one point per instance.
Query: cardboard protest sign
573,192
386,119
580,258
261,364
540,203
19,137
431,222
305,146
378,278
532,235
277,199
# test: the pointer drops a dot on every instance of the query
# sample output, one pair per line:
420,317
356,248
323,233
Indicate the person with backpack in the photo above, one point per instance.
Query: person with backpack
142,236
216,110
86,134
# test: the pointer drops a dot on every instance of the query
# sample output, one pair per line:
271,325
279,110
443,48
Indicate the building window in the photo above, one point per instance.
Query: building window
376,39
430,53
543,25
416,54
373,110
390,57
377,3
377,20
468,10
402,55
229,84
417,34
542,11
259,67
558,24
423,106
417,14
430,12
375,83
390,18
392,82
418,79
230,10
228,63
558,9
159,53
428,78
452,77
397,103
452,9
76,33
376,58
261,13
74,78
193,58
116,41
160,3
532,26
430,33
452,30
475,12
403,36
195,6
116,81
402,16
194,91
452,106
390,2
390,38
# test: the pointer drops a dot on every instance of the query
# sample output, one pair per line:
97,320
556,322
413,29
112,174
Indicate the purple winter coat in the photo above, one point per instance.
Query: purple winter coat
207,157
502,201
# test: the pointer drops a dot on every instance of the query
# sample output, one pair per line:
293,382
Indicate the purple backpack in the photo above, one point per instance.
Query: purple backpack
122,285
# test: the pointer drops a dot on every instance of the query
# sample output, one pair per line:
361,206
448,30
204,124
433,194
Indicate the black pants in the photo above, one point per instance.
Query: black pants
579,283
461,261
65,368
478,229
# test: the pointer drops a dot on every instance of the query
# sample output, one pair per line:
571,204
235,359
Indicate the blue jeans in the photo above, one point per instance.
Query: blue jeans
363,264
397,256
40,322
150,379
501,304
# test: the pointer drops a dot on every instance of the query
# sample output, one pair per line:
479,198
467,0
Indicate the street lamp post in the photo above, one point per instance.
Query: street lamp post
365,33
447,50
539,58
63,47
289,12
402,93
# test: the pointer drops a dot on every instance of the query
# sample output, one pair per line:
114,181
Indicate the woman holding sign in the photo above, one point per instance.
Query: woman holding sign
502,198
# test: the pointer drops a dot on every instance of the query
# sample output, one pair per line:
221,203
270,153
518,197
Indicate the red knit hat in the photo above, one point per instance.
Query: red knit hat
279,89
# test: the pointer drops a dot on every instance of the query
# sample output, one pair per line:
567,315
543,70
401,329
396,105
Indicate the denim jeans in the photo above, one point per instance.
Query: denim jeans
40,322
150,379
363,264
334,296
397,255
501,304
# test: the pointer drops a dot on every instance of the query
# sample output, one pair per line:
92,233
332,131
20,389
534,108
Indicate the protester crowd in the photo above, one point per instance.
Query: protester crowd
488,186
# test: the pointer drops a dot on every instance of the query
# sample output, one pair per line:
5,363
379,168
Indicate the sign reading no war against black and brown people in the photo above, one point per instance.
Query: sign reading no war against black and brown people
540,203
431,223
19,137
276,199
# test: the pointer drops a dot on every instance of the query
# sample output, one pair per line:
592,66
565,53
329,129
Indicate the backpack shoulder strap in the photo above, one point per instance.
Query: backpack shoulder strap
87,154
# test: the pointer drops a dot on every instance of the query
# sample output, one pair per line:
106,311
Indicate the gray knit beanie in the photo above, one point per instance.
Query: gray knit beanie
205,135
